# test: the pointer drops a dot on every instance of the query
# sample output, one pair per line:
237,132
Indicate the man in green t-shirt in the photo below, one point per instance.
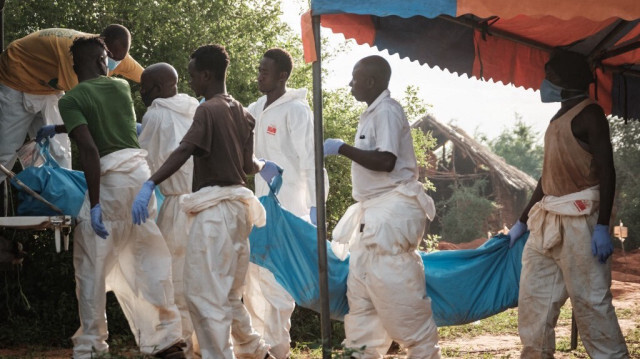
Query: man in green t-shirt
109,252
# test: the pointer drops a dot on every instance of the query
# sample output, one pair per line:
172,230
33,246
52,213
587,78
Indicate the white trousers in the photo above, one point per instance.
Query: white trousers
174,227
567,270
133,262
270,306
218,252
386,286
23,114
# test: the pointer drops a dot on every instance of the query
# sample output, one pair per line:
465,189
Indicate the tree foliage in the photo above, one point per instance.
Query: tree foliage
519,148
169,31
466,213
627,157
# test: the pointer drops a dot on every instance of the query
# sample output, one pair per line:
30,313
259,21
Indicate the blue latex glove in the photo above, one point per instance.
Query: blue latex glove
46,131
96,222
331,146
601,244
516,232
139,210
138,129
269,170
313,215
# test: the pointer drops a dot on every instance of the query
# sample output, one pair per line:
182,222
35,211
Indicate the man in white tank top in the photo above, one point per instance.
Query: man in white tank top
566,255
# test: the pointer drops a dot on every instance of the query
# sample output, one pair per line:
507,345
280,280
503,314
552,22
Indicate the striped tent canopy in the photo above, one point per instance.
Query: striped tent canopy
505,41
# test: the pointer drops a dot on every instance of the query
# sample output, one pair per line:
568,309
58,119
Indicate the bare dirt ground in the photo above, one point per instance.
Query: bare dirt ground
489,344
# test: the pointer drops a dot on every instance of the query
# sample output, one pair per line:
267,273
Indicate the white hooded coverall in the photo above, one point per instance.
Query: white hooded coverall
283,134
557,263
163,126
218,252
133,262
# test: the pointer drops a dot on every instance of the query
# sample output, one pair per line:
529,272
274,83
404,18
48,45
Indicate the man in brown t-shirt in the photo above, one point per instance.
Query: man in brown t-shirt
223,210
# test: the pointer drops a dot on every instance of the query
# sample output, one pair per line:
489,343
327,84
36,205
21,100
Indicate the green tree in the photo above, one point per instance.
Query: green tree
626,152
518,146
466,213
169,31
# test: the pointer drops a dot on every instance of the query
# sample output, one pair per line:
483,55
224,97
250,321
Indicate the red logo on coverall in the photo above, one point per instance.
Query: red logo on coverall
581,205
271,130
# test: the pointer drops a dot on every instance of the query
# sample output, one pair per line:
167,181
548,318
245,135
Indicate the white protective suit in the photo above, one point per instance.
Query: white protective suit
386,285
557,264
163,126
218,252
283,134
133,262
24,114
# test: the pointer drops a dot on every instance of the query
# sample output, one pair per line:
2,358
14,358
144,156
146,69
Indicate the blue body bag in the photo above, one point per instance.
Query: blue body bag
62,187
464,285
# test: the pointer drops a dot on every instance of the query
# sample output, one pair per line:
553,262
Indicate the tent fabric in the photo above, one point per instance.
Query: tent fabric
564,9
464,285
499,40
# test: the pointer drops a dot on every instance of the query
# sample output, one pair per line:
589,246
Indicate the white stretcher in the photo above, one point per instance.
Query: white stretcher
61,224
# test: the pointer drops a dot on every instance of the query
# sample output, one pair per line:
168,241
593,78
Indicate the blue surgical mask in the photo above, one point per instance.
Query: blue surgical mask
550,92
112,64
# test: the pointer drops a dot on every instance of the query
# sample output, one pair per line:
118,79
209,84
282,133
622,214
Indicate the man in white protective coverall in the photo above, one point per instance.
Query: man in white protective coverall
222,209
386,286
169,115
34,73
283,134
109,253
566,255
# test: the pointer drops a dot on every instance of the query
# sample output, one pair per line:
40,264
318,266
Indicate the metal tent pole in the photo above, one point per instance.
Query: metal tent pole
325,320
2,25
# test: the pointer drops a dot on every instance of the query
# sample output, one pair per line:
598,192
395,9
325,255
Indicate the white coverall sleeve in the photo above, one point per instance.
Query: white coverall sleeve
157,138
300,123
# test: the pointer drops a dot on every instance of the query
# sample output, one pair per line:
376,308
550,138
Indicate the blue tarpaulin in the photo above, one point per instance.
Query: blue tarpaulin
62,187
464,285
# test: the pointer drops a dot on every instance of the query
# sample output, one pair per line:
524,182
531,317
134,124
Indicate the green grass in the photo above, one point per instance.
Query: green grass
503,323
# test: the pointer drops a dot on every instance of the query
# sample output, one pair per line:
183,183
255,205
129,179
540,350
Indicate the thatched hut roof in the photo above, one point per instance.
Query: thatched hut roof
500,171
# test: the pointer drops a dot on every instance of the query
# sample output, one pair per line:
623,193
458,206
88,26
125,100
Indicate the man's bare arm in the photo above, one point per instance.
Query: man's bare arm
177,158
371,160
592,127
89,160
536,196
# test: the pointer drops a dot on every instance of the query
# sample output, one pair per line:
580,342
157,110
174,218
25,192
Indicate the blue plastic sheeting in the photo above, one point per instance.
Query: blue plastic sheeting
287,246
464,285
62,187
403,8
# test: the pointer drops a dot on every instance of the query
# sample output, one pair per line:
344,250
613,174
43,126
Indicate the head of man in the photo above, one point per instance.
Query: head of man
568,74
370,77
118,40
207,67
158,81
274,70
89,57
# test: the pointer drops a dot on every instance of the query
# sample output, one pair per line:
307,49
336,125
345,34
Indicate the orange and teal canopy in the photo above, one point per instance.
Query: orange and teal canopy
506,41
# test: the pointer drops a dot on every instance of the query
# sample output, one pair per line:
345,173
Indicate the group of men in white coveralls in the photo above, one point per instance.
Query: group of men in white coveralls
183,277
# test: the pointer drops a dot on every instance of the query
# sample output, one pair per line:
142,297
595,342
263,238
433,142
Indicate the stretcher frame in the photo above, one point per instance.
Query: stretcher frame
61,224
